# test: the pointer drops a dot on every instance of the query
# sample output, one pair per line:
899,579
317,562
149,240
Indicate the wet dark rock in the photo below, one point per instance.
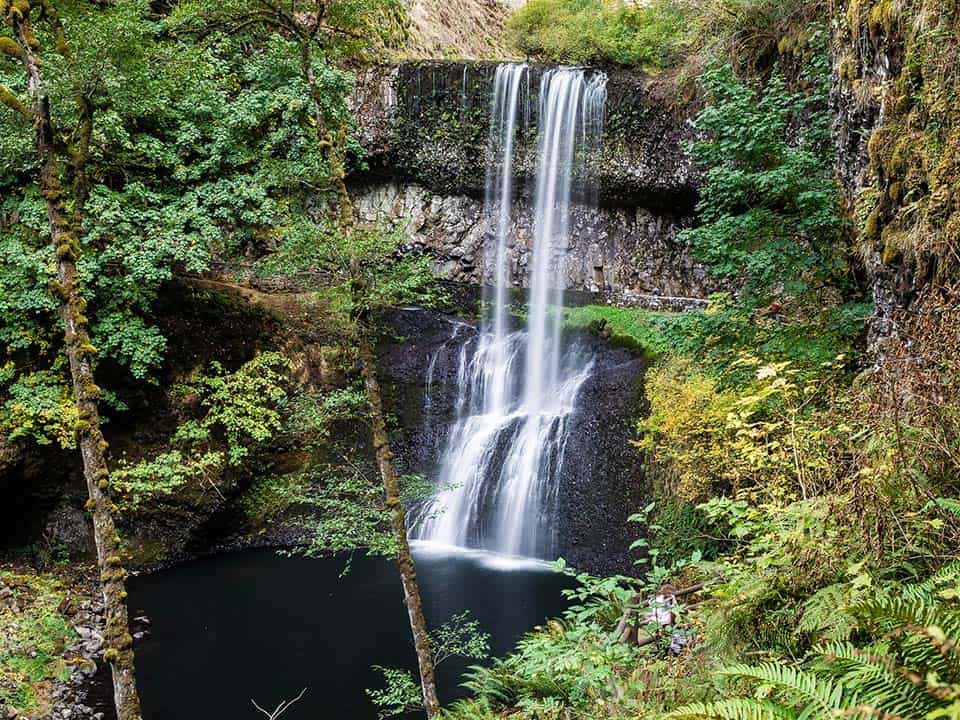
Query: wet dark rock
601,484
429,121
416,337
70,527
605,485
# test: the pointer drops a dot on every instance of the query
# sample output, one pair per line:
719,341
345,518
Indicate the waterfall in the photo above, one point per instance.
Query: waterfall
517,387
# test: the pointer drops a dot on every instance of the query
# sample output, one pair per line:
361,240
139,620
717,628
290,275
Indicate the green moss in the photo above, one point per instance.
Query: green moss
890,250
632,328
66,251
11,101
848,68
883,17
913,154
10,48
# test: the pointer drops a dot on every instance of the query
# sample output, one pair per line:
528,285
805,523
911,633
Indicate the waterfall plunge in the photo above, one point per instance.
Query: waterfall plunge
500,466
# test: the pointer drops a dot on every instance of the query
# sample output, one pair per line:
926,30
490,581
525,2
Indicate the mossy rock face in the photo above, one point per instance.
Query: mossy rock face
439,124
898,132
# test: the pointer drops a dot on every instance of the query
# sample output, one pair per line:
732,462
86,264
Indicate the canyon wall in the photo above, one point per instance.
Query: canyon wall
425,128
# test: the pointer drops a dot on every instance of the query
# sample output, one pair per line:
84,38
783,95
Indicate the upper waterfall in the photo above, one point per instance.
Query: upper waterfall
517,385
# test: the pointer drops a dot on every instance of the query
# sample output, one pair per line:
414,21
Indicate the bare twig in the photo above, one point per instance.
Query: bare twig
281,708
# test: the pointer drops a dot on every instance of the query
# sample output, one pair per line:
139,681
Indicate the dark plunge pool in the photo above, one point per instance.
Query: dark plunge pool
257,625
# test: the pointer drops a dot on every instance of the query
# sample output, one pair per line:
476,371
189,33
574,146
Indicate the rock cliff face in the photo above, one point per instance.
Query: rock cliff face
425,128
898,139
859,70
429,122
599,491
619,251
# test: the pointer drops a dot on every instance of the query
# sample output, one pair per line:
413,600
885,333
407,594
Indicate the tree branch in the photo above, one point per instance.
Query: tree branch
10,100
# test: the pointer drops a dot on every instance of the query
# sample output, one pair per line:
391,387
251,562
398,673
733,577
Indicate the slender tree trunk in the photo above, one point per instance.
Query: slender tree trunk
391,489
335,147
80,353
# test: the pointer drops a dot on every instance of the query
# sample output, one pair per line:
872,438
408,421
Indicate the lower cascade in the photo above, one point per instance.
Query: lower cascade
500,464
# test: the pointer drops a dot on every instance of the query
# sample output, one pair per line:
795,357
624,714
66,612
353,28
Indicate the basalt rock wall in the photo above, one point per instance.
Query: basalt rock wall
425,129
429,122
618,251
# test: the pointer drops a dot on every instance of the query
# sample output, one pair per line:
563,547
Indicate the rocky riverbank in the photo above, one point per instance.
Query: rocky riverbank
51,630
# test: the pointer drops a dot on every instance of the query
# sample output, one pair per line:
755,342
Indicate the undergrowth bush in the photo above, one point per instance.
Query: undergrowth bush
236,413
908,666
649,35
660,34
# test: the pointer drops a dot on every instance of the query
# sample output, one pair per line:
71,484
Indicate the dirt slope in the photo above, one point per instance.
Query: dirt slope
459,29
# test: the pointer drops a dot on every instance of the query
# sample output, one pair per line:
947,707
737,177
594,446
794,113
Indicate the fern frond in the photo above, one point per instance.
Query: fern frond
948,505
469,710
495,684
909,614
733,709
825,614
946,575
931,632
871,675
820,697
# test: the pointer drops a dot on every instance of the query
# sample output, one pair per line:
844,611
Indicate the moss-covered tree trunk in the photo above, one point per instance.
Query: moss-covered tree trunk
391,489
80,353
335,147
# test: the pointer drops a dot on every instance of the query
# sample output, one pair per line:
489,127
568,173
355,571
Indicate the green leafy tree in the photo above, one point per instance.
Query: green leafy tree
360,260
769,209
460,636
64,205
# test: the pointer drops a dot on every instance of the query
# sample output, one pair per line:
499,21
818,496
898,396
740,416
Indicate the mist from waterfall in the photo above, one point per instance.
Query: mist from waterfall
518,386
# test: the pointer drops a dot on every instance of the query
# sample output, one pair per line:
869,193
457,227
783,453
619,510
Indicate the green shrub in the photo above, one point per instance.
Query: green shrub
769,209
651,36
242,411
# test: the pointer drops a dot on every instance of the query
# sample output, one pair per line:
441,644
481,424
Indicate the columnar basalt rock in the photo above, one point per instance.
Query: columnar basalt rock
622,252
429,122
425,128
859,71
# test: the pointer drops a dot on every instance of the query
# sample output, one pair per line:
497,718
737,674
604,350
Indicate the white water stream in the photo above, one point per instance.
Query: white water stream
517,386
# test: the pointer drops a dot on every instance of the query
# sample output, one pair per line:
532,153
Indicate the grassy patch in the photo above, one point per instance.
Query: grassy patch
33,636
634,328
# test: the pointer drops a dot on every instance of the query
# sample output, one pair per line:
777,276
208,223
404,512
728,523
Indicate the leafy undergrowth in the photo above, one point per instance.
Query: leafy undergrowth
657,35
33,637
807,504
651,35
